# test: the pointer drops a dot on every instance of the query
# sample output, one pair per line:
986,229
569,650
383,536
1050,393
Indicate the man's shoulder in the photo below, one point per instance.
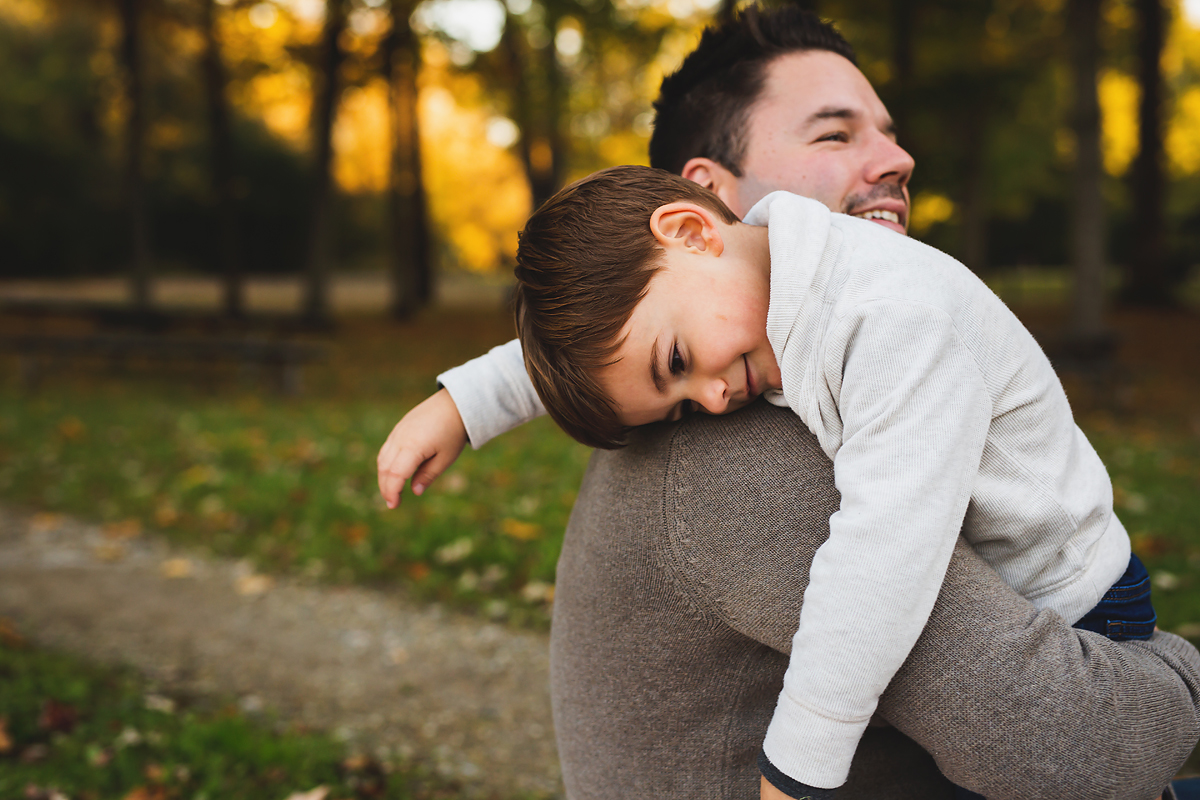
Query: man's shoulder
731,508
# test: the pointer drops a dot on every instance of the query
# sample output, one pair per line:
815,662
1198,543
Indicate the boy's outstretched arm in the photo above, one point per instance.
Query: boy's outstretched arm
481,399
421,446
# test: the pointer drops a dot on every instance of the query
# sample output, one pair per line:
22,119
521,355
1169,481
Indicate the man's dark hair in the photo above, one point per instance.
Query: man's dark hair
702,108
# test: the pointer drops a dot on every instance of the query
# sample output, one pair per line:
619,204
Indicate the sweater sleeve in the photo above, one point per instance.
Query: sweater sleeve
914,412
493,393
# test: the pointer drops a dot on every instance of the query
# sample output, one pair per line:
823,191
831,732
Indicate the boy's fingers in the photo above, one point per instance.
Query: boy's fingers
393,475
429,472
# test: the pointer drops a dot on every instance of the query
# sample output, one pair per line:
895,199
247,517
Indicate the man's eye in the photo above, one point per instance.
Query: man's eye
839,136
677,366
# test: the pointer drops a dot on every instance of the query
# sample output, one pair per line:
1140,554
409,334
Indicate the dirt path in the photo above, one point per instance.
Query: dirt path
385,674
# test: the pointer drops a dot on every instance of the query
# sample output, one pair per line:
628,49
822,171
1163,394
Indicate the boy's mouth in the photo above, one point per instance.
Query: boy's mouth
751,387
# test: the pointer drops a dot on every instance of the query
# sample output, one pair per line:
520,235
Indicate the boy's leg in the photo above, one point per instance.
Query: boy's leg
1125,612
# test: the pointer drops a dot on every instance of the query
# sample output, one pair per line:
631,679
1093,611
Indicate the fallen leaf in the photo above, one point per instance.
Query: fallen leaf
57,717
71,428
1166,581
520,530
176,568
147,793
354,763
5,740
318,793
538,592
34,753
156,702
418,570
98,756
1147,544
109,552
1188,630
353,534
45,521
455,551
165,515
253,584
9,635
125,529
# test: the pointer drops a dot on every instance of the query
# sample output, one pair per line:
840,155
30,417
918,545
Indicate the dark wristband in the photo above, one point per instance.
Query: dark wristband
790,786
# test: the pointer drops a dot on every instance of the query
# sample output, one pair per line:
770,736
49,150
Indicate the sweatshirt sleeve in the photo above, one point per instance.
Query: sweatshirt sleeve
493,393
914,412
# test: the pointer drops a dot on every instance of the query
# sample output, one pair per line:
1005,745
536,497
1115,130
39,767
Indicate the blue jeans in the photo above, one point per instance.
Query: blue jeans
1123,613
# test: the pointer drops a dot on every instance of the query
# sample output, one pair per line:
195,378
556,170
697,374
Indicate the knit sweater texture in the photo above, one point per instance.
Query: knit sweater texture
682,574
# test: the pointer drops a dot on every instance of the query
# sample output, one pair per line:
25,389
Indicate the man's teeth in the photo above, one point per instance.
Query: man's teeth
888,216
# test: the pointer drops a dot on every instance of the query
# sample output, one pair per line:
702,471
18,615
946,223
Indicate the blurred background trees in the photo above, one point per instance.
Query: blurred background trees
233,137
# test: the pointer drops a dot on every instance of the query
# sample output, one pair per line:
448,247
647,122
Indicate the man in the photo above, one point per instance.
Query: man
774,101
677,597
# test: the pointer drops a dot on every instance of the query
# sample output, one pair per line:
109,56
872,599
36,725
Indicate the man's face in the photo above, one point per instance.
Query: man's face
818,130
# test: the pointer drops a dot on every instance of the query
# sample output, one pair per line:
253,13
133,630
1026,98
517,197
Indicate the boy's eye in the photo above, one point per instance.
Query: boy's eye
677,366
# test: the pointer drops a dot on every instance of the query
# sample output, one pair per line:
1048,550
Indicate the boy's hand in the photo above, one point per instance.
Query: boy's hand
421,446
767,791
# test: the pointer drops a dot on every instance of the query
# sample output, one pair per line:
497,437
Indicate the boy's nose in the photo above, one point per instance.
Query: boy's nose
715,397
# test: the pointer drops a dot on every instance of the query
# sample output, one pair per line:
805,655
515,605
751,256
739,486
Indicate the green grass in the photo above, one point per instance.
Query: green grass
291,483
292,486
90,733
1156,492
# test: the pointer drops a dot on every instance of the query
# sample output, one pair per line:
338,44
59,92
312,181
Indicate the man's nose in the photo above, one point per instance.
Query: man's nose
889,161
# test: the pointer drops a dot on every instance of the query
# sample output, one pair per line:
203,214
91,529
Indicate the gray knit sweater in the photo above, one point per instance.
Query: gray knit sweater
680,586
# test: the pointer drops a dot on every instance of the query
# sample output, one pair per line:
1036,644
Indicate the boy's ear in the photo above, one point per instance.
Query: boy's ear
688,225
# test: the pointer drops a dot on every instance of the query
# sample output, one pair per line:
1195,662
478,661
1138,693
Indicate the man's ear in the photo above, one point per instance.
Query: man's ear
688,225
714,177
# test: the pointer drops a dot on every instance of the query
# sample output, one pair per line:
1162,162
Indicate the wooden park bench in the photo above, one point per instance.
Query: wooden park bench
282,360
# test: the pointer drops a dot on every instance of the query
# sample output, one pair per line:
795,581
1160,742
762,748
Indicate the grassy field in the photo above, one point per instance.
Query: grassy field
290,483
72,730
226,466
223,465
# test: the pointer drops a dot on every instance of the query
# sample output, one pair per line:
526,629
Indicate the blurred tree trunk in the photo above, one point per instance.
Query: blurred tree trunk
975,194
547,154
537,97
1087,224
135,152
320,233
1148,282
902,61
410,242
223,171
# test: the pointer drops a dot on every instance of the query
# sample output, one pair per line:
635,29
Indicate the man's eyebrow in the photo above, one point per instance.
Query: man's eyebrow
836,112
655,372
831,112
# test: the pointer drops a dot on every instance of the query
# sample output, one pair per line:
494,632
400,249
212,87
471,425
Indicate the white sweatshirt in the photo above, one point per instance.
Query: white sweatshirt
941,414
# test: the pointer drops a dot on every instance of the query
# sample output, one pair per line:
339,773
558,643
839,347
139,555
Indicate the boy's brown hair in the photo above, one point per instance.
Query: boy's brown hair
584,262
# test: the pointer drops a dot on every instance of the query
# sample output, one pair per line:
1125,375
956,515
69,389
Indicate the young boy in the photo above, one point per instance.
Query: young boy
641,298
